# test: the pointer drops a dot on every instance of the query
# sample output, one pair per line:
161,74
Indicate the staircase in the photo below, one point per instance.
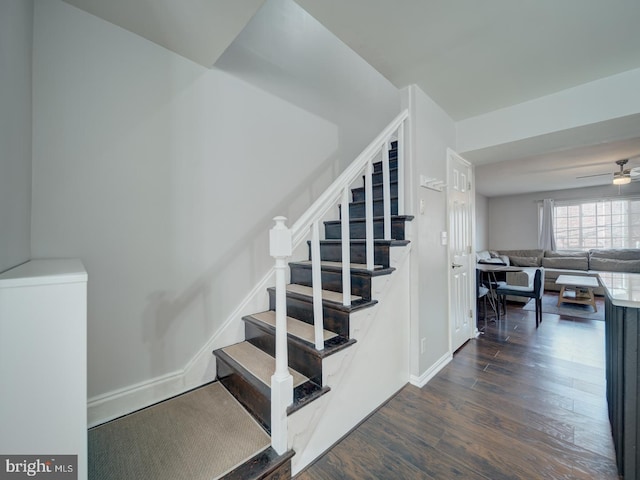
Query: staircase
246,368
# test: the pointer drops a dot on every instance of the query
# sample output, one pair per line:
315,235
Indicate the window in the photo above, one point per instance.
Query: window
597,224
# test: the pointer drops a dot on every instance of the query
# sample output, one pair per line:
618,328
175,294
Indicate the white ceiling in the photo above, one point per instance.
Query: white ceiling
469,56
472,57
558,170
199,30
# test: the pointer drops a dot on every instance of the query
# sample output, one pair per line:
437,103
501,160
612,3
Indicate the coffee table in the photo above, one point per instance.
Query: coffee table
577,289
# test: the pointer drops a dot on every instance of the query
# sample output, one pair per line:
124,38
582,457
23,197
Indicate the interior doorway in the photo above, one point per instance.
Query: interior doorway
460,232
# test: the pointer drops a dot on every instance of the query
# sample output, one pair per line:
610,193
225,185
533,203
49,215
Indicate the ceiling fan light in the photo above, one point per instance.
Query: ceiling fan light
621,180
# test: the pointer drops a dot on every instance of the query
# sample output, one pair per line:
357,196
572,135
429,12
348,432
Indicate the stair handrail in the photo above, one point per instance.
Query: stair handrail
321,206
284,240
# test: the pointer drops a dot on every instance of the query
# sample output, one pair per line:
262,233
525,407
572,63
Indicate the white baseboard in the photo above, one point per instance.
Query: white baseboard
431,372
120,402
200,370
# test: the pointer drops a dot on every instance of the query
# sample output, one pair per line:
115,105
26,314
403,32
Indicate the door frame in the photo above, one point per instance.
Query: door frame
472,251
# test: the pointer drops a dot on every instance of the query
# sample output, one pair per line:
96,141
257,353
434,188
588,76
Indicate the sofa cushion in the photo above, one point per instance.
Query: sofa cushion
614,265
525,261
615,253
571,263
523,253
566,253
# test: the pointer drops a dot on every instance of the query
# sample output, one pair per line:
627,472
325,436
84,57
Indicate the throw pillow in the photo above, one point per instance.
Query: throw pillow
482,255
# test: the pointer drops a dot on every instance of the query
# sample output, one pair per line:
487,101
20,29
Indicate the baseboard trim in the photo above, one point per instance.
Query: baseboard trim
200,370
432,371
115,404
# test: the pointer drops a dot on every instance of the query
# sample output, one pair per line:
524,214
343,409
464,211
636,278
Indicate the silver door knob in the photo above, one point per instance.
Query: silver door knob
455,265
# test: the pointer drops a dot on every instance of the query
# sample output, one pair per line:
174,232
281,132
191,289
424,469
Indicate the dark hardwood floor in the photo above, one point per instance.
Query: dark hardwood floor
516,403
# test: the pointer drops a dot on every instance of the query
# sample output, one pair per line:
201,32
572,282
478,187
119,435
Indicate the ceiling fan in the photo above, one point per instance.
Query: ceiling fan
625,176
622,177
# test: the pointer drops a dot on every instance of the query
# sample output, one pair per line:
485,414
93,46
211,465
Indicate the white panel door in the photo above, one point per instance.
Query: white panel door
460,237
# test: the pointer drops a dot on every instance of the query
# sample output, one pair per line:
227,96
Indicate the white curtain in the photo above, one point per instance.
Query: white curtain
546,240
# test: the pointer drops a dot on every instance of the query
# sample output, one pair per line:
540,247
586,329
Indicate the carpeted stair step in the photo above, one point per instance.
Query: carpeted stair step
357,209
357,228
331,251
331,272
260,330
335,315
358,193
246,372
202,434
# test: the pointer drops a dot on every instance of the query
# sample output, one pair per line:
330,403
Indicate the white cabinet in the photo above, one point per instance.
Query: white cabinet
43,360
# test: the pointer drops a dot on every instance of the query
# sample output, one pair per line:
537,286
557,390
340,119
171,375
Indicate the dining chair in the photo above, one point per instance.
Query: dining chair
481,294
535,291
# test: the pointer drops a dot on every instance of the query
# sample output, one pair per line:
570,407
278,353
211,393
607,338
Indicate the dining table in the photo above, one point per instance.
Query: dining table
489,278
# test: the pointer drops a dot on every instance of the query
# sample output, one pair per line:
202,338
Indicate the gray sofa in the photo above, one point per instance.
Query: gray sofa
570,262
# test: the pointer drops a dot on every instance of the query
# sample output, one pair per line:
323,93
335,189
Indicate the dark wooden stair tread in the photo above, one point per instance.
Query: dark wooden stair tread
379,184
406,218
264,465
327,295
259,364
360,268
295,327
362,241
358,226
305,295
301,332
256,367
379,201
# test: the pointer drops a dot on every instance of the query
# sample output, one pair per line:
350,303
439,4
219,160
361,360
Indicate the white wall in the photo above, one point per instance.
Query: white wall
482,222
163,177
513,219
287,52
16,37
432,132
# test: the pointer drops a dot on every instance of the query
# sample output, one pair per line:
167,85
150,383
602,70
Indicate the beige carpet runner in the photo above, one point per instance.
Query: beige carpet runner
200,435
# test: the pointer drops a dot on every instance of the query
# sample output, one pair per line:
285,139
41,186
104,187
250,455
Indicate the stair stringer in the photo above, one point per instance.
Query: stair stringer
363,376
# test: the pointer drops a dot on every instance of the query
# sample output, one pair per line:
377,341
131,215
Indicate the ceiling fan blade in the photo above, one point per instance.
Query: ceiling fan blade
596,175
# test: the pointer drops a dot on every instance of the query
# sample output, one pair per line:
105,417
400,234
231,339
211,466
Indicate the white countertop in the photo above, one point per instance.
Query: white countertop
44,272
623,288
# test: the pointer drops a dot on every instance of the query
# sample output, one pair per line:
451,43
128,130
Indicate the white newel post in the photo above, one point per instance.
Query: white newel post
281,246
